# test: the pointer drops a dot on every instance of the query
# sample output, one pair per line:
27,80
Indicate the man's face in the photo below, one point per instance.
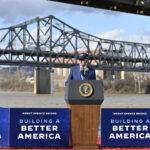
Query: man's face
83,62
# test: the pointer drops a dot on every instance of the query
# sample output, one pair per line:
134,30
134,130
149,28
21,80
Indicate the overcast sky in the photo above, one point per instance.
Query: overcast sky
102,23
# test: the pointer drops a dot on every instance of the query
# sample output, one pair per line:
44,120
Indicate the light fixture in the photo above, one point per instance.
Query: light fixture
84,2
115,7
142,12
140,2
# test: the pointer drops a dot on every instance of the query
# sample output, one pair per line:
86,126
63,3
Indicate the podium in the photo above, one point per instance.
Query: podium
84,98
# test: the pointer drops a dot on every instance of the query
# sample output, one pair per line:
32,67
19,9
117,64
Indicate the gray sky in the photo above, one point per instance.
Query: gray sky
12,11
103,23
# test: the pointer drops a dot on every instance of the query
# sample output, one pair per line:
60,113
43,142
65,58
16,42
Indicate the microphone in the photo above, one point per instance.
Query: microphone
82,70
86,72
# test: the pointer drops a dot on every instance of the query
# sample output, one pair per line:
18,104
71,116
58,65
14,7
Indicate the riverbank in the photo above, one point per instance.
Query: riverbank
28,99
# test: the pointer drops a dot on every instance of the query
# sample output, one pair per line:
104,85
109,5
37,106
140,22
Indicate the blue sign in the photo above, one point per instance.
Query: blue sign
39,127
4,126
125,127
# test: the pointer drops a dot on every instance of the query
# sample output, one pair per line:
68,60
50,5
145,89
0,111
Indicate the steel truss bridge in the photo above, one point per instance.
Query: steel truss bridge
50,42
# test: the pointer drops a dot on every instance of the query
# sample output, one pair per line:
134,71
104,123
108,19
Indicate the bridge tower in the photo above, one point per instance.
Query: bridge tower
43,81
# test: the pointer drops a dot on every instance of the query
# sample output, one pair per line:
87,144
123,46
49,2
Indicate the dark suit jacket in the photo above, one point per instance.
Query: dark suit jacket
75,74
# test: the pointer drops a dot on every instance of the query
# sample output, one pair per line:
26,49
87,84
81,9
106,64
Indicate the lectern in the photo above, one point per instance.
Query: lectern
84,98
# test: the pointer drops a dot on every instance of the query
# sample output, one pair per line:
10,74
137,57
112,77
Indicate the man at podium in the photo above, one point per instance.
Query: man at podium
82,71
84,99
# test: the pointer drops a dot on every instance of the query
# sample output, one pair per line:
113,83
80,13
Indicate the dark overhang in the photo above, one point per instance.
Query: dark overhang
141,7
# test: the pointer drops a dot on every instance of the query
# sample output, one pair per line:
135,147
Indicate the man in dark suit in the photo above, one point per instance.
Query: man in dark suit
81,71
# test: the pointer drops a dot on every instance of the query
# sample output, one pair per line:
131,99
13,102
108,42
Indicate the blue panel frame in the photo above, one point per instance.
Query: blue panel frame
31,127
125,127
4,126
